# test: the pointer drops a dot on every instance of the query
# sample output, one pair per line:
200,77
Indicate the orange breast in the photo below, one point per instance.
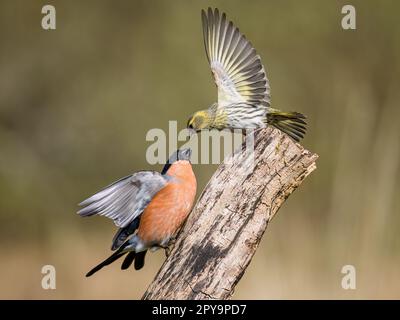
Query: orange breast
170,206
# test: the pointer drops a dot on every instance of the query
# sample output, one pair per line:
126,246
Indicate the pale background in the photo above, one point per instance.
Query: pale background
76,103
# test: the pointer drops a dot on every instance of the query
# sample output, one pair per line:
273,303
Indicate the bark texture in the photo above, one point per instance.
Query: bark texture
222,233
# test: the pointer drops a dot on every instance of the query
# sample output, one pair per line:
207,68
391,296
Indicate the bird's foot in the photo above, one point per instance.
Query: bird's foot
167,251
170,246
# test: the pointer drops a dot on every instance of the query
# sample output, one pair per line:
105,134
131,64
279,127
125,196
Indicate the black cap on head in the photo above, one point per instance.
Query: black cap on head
180,154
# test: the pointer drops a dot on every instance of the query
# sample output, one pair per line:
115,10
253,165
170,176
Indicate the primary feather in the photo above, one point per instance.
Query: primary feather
125,199
235,64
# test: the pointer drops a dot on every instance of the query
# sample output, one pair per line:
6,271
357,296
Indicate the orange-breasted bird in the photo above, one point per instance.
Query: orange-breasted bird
147,206
243,86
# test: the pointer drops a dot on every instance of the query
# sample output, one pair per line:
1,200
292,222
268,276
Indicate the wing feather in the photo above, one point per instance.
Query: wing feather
125,199
235,64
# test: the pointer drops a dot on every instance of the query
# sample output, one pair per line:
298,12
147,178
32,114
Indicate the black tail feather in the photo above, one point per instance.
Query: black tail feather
115,256
139,260
128,260
133,256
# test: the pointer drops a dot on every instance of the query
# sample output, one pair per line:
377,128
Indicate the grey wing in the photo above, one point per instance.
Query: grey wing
235,64
125,199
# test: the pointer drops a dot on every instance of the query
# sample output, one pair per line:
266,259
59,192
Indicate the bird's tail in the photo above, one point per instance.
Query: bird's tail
115,256
292,123
133,256
127,247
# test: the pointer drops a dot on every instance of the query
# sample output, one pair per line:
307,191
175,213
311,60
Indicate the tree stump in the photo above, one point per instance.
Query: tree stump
221,235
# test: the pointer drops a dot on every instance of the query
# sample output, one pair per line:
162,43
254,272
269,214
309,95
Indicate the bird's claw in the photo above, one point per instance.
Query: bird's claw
170,246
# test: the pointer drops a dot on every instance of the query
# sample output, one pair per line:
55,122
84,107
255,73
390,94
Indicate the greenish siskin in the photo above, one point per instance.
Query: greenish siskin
243,87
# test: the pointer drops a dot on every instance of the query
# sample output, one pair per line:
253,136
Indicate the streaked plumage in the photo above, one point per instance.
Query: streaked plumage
243,87
147,206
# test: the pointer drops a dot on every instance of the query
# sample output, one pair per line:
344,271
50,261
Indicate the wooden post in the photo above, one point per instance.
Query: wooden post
222,233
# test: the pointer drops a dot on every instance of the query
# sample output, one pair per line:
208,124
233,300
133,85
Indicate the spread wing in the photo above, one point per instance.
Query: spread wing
125,199
235,65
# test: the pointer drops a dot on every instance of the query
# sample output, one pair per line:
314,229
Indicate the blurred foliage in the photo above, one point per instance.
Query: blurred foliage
76,103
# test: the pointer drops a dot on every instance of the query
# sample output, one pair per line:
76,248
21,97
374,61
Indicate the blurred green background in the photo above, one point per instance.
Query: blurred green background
77,102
